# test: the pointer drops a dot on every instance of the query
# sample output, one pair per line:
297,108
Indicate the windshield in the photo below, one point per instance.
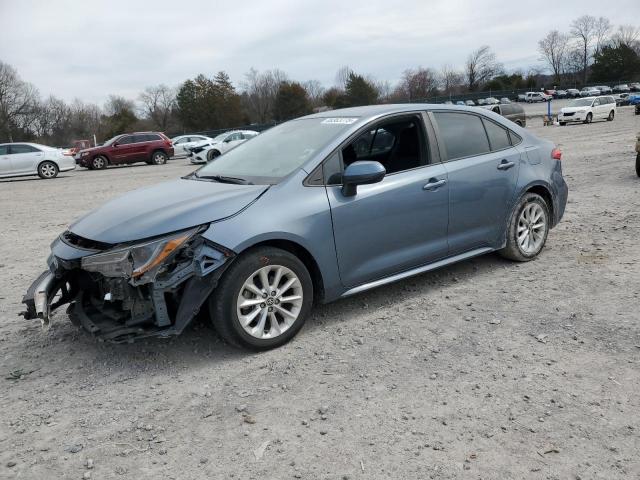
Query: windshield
582,102
111,140
220,137
279,151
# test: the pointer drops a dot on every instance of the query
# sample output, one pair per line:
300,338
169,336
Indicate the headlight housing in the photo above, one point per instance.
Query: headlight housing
137,260
84,154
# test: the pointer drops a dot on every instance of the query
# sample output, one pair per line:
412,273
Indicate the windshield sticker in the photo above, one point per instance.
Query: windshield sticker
340,121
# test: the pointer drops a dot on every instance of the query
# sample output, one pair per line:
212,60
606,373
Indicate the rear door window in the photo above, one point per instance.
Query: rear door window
463,134
151,137
22,149
126,140
4,149
498,136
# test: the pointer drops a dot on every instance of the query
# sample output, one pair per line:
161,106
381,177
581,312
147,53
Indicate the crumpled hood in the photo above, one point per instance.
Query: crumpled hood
164,208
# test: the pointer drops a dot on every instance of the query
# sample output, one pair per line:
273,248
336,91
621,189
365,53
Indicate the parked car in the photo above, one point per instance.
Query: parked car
532,97
623,88
588,109
634,99
521,97
78,145
182,143
635,87
26,159
589,92
604,90
481,101
207,151
470,103
621,99
460,102
491,101
298,216
561,94
512,111
573,92
153,148
551,92
505,100
447,102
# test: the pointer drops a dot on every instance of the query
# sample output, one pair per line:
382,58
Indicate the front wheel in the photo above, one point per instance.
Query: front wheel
211,154
528,229
562,124
99,162
638,164
47,170
589,118
611,115
262,300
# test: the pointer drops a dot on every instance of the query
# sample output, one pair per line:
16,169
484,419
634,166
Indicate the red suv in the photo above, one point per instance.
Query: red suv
150,147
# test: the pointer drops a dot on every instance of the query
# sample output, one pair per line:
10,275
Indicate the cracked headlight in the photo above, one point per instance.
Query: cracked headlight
136,260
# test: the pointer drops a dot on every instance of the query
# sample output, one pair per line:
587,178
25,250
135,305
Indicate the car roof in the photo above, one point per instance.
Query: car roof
38,145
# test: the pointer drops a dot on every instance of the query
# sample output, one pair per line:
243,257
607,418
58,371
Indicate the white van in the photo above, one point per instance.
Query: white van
588,109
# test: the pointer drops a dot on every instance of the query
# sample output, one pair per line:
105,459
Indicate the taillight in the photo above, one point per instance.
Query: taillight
556,154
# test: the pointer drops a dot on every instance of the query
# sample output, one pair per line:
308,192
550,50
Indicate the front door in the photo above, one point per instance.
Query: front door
122,151
482,168
399,223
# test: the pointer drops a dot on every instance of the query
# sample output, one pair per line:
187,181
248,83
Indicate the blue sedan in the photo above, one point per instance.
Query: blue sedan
313,210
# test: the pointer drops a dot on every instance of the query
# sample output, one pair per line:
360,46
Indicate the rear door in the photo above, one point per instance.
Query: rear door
482,168
141,147
24,158
231,141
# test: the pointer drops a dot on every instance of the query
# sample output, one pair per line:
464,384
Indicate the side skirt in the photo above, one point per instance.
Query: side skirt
417,271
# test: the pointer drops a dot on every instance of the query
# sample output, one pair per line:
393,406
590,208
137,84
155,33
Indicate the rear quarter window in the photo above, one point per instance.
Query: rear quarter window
463,134
498,136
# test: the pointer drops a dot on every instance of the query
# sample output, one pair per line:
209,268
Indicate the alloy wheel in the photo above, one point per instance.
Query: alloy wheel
48,170
532,226
158,158
269,301
98,163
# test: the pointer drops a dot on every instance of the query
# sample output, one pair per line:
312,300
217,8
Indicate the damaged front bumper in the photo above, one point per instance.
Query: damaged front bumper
119,297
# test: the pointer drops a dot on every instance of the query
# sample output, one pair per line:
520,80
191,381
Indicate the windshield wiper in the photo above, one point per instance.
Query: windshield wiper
224,179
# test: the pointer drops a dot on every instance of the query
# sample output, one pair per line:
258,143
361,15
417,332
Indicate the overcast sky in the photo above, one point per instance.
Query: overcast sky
89,49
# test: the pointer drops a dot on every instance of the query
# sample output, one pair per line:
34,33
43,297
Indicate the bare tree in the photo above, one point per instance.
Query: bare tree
481,67
418,84
554,49
18,101
602,30
342,77
628,35
158,104
583,30
315,91
260,91
450,79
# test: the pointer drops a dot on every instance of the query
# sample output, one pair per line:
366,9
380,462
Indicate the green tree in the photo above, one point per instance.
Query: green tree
358,91
291,101
119,116
619,62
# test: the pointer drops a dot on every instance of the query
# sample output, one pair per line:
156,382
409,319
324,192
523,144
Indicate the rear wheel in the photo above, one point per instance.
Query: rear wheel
528,229
638,164
99,162
611,115
159,158
589,118
262,300
47,170
562,124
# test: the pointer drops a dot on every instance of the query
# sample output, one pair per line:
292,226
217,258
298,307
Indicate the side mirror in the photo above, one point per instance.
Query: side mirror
361,173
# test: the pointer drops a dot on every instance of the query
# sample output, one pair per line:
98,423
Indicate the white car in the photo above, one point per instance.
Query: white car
589,92
182,143
24,159
208,150
537,97
588,109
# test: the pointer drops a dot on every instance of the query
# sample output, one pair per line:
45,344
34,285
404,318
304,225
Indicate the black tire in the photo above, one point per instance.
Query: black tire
211,154
589,118
638,164
223,301
48,170
519,123
512,249
159,158
612,114
99,163
562,124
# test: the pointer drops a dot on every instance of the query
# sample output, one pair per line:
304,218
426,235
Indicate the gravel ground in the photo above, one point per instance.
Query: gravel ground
484,370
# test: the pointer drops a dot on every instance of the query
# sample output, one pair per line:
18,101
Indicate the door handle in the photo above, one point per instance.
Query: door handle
434,184
504,165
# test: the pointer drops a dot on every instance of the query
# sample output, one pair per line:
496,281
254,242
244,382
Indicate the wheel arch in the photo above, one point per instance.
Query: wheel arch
545,192
303,255
101,154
